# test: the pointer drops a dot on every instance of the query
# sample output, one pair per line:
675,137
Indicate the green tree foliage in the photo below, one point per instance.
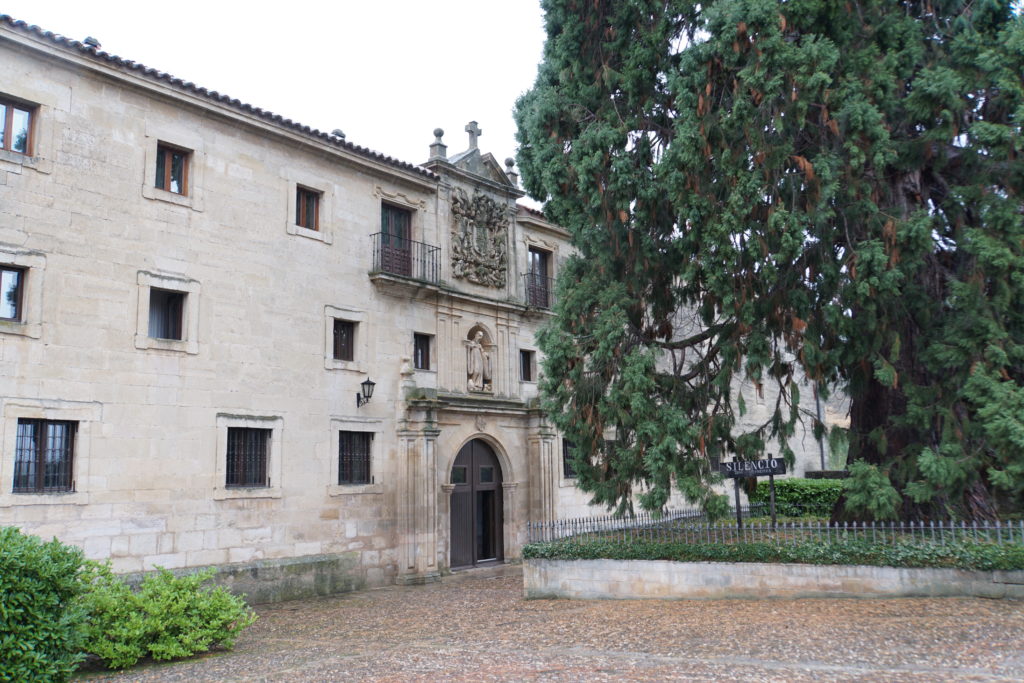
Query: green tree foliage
769,189
40,620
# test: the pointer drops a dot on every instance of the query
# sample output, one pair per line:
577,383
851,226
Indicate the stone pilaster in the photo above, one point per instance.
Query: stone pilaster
544,473
417,504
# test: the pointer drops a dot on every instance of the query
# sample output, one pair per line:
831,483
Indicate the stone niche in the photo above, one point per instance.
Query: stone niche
479,239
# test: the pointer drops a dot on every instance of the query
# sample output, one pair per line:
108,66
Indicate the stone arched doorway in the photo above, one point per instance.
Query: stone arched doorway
477,518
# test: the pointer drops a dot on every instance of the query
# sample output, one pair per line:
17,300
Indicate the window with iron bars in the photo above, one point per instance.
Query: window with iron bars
354,457
44,456
568,471
248,452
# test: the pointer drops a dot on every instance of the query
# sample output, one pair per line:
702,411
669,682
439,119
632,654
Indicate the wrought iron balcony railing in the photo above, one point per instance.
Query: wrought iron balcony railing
400,256
539,290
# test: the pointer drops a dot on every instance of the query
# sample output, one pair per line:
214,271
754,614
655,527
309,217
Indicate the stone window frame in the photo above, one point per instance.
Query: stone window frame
355,424
87,415
189,319
182,139
300,179
360,346
43,105
33,267
221,491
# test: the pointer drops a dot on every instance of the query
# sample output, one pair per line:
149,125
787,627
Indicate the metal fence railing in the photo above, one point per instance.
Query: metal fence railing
539,291
400,256
690,526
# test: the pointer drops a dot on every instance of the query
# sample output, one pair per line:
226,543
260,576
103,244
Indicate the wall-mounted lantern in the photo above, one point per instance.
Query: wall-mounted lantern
364,397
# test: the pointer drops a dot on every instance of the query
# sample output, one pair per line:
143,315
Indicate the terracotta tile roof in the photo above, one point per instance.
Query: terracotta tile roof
212,95
522,208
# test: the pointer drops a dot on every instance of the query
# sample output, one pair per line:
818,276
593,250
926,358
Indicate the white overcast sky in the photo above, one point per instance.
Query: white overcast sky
387,73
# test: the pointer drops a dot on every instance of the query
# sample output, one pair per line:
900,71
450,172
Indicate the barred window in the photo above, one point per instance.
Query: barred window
568,471
44,456
354,457
248,452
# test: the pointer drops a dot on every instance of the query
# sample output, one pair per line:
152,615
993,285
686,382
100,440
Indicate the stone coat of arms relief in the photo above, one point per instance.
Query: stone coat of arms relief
479,239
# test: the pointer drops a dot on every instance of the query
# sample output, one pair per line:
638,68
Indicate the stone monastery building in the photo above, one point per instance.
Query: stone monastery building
229,339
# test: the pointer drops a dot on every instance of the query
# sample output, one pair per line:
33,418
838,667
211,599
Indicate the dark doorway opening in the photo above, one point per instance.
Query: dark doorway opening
476,507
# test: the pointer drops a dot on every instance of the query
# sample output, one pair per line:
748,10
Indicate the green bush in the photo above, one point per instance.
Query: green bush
169,617
41,624
960,555
794,497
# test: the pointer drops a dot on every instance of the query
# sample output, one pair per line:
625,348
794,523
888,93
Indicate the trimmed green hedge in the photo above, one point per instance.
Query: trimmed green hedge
960,555
794,497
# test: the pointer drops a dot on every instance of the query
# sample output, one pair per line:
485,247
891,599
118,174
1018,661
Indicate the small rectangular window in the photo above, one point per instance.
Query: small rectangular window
248,453
344,339
307,208
421,351
568,471
166,309
11,286
526,369
44,456
354,457
16,127
172,169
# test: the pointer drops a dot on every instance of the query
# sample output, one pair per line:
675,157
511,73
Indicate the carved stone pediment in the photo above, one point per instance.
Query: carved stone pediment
479,239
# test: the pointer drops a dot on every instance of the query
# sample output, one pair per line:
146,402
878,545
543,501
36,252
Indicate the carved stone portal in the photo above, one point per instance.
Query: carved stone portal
479,239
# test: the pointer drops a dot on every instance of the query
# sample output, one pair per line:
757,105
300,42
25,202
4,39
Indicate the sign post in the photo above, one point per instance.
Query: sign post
741,469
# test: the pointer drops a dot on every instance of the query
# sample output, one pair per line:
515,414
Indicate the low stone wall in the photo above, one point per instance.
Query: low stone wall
295,578
626,579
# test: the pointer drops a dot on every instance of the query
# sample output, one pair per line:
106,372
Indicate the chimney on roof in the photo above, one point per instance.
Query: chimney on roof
438,150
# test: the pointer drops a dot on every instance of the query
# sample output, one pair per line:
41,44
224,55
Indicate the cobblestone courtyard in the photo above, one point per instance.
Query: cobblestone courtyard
477,627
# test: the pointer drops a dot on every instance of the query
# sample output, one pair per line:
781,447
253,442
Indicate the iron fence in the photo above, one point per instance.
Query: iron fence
691,526
397,255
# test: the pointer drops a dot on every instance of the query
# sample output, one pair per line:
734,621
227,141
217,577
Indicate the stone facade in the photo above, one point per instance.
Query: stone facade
188,274
98,243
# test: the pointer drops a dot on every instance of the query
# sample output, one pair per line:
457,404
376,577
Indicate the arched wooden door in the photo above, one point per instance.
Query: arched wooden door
476,507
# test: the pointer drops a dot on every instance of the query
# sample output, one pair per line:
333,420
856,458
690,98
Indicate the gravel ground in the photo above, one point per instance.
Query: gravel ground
475,626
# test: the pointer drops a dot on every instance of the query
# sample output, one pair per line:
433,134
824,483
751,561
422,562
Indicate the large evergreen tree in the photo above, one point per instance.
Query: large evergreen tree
771,190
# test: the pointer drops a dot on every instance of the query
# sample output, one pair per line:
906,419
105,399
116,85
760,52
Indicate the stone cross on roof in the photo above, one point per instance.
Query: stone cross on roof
474,132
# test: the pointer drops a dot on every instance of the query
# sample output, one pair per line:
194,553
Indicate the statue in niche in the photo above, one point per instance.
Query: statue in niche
479,239
478,364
